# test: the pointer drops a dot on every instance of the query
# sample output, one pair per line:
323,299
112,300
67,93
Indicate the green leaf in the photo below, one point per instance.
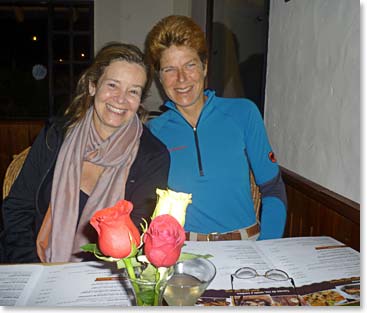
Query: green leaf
89,247
134,250
134,262
188,256
92,247
120,264
149,273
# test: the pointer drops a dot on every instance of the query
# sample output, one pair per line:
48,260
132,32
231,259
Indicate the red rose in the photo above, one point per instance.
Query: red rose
116,231
163,241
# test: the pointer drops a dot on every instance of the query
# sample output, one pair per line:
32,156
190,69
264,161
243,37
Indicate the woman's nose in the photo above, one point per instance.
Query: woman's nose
181,75
120,97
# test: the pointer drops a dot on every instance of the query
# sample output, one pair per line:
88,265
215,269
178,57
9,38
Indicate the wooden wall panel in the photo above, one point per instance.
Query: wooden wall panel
15,136
316,211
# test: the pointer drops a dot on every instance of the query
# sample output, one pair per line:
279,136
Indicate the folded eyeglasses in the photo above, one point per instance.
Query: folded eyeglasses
273,274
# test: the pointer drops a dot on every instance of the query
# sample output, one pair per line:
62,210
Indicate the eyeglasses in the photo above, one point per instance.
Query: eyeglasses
273,274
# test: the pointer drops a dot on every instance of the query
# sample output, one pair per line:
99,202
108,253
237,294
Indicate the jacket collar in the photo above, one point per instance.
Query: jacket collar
210,94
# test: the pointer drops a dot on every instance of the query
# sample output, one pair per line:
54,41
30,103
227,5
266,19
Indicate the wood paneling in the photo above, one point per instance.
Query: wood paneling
316,211
15,136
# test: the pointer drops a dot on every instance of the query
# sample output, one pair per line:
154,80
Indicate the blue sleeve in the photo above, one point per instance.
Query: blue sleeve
267,176
274,208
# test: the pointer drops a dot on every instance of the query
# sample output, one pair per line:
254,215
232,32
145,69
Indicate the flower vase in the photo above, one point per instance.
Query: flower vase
148,293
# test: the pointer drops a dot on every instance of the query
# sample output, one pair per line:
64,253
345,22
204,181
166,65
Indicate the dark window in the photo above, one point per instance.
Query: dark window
46,46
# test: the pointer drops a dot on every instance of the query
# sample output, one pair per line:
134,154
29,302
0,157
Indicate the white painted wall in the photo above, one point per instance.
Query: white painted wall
130,21
313,94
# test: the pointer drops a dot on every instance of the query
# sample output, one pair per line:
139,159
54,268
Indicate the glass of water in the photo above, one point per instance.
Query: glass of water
189,281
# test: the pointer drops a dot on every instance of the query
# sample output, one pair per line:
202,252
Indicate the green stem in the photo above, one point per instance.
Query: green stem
131,273
157,288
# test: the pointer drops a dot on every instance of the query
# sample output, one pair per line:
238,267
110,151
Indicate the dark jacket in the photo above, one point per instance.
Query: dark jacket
25,207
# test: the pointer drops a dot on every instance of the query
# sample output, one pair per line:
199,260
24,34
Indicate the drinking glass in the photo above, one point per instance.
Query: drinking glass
189,280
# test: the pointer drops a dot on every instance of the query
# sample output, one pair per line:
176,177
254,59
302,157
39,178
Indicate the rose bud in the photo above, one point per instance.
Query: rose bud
163,241
116,231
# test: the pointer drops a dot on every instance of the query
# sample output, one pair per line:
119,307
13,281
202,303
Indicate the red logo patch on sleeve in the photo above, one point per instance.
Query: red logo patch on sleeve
272,157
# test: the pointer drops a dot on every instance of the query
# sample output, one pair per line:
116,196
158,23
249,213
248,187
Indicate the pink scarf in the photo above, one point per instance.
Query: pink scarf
116,154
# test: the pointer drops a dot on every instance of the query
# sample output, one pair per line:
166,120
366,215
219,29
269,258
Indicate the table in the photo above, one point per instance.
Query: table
325,272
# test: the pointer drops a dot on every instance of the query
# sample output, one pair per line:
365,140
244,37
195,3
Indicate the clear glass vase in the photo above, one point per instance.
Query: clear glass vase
148,293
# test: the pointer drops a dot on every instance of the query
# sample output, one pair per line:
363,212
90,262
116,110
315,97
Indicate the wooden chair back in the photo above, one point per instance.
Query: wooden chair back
13,170
256,196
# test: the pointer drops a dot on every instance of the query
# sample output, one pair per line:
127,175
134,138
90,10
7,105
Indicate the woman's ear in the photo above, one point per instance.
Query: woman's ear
158,75
205,68
92,89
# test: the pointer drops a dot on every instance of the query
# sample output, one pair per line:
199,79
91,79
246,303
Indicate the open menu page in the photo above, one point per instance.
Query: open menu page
73,284
312,259
306,259
17,283
325,272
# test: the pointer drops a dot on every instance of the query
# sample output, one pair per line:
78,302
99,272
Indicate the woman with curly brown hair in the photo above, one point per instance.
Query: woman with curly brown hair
213,142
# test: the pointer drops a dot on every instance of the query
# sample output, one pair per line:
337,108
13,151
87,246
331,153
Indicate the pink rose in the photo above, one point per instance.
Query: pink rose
116,231
163,241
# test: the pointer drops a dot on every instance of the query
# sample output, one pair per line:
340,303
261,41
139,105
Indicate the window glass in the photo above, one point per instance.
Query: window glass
61,19
61,78
78,71
61,48
38,66
24,62
81,18
81,48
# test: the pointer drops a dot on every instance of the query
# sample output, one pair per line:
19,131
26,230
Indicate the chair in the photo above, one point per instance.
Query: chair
256,196
13,170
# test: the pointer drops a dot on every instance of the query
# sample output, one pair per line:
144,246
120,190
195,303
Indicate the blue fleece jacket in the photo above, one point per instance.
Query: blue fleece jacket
212,163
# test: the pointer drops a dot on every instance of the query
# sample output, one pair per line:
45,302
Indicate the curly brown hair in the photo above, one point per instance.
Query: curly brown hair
112,51
175,30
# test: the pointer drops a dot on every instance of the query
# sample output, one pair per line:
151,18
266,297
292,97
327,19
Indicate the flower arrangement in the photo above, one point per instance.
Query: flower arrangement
148,257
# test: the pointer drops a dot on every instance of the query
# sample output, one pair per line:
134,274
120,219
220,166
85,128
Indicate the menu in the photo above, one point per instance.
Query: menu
324,271
71,284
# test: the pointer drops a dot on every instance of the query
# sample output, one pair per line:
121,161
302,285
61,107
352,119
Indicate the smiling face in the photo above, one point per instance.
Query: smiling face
182,75
117,96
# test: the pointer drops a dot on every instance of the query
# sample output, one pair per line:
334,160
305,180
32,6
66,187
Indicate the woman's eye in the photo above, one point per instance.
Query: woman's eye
112,85
168,69
135,92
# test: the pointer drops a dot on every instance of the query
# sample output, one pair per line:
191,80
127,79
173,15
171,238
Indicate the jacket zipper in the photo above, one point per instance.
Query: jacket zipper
200,164
201,171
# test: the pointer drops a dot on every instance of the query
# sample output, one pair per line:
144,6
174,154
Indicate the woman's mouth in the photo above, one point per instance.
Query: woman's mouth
183,90
114,109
